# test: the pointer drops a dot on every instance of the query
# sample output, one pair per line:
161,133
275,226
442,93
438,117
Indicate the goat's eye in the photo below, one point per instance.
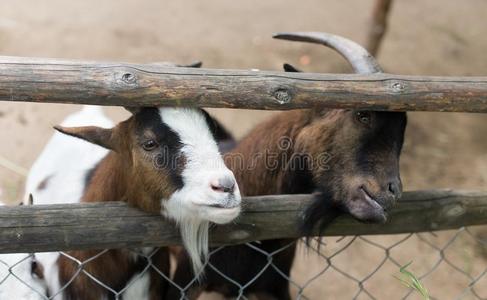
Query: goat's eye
149,145
363,117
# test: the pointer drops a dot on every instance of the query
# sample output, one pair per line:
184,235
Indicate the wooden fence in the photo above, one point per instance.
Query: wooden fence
112,225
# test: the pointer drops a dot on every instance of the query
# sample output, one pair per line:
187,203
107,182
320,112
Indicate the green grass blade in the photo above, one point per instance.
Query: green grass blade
410,280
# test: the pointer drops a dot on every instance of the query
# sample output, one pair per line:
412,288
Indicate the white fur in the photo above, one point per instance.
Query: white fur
32,288
51,272
66,160
138,287
189,206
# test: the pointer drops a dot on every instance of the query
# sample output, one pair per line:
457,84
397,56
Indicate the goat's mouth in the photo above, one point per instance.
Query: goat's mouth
220,206
365,207
219,213
369,199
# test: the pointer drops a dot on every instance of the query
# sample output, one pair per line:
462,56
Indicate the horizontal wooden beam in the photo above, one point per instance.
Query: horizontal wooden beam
123,84
115,225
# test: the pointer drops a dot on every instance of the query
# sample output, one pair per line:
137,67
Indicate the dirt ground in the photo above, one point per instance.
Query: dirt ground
434,37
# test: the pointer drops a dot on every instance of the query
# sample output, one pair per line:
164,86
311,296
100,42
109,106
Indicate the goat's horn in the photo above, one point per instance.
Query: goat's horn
290,68
195,64
360,59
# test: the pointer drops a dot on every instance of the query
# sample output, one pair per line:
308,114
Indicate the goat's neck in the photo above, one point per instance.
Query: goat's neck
260,161
112,181
108,182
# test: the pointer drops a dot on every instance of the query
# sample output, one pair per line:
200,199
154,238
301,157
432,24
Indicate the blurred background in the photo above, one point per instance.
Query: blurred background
433,37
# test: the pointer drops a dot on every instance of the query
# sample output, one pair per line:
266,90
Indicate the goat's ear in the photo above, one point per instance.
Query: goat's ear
290,68
95,135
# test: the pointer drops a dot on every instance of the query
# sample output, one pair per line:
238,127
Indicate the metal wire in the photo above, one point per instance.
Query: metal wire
451,265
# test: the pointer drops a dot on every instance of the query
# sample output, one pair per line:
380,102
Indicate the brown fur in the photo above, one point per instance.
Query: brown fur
255,178
257,181
120,176
297,127
349,159
314,133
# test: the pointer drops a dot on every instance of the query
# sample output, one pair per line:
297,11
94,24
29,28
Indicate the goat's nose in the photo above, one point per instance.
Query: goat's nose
223,185
394,188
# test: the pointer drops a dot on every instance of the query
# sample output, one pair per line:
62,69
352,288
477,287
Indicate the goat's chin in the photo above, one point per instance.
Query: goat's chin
219,215
193,216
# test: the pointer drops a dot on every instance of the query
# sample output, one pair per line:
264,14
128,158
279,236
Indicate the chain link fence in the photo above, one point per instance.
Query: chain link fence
449,264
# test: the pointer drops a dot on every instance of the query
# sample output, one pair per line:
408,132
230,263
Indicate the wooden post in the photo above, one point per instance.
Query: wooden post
378,26
115,225
120,84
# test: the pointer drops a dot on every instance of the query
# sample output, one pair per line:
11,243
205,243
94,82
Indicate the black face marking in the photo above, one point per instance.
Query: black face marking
224,139
300,179
383,142
168,154
377,151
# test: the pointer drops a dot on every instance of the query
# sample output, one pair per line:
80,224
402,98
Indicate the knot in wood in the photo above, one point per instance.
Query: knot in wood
283,96
398,87
129,78
239,235
455,211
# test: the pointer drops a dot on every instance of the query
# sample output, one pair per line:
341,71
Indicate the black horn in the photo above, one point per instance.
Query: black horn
290,68
360,59
195,64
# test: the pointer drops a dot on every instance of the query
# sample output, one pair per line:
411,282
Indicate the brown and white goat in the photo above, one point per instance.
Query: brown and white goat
163,160
349,159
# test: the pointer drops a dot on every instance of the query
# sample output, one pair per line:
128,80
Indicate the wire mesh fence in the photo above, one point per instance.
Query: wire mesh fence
449,265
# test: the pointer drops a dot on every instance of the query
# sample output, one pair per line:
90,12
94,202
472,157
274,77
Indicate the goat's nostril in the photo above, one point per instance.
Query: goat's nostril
224,185
229,189
216,188
394,189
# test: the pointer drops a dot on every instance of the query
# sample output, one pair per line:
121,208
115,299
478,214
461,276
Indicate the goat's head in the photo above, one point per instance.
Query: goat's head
171,160
355,153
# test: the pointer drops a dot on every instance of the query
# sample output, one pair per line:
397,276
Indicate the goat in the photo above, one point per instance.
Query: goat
348,159
162,160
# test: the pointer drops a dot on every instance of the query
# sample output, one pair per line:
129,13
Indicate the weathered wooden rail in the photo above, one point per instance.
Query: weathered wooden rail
122,84
115,225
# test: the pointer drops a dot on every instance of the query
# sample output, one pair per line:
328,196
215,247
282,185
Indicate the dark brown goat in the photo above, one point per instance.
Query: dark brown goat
349,159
